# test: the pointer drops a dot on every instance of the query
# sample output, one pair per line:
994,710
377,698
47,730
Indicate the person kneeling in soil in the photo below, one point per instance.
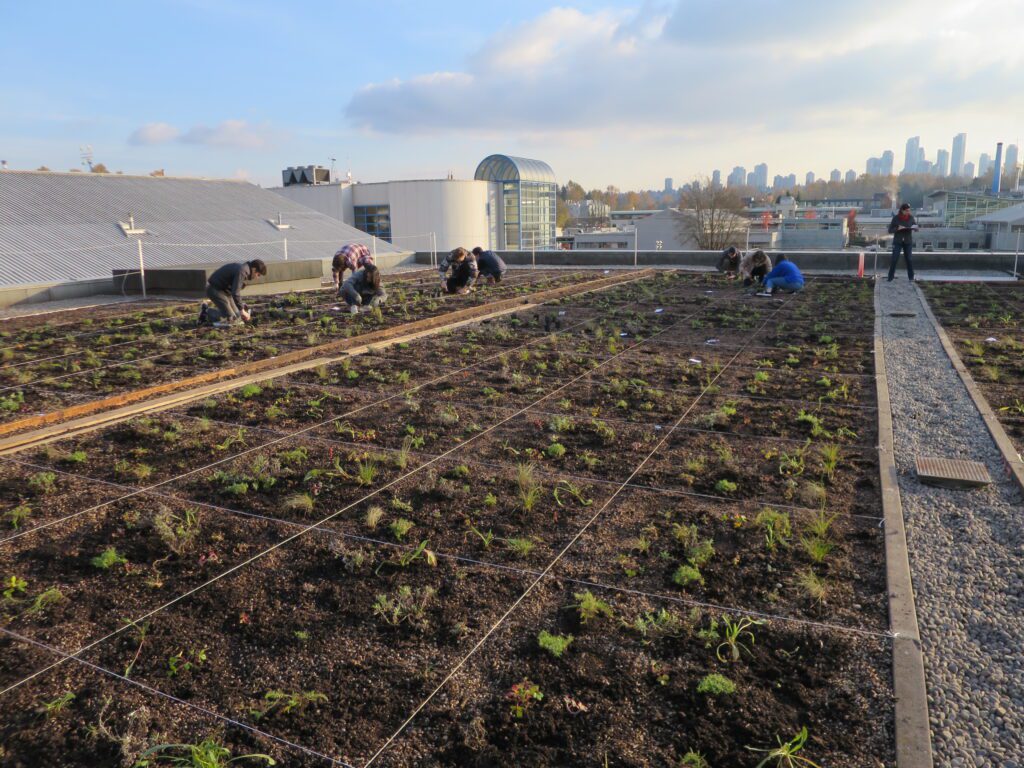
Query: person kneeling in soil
464,271
754,266
351,257
363,289
729,261
491,266
224,289
786,276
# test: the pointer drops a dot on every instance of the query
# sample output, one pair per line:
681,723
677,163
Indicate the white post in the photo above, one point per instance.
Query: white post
748,237
433,249
533,249
284,244
142,268
373,242
1016,256
636,233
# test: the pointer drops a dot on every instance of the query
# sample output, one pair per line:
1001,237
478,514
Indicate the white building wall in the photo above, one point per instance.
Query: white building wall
333,200
455,210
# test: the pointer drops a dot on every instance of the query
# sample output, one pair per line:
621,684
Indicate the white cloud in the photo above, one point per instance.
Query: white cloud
154,133
231,134
707,68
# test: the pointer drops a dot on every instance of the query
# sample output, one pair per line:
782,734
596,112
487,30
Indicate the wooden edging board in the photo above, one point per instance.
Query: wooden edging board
1011,459
218,382
913,732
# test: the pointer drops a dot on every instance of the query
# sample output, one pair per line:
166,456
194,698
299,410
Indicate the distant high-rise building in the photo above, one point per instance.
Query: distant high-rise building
984,163
886,164
1010,166
716,178
836,175
778,183
874,166
920,155
942,163
668,185
968,170
851,176
809,178
956,167
926,167
738,177
912,156
751,179
761,175
791,180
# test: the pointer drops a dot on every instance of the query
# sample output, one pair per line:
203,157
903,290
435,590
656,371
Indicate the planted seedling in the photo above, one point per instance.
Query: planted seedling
567,488
140,631
178,532
206,754
286,702
44,600
724,486
185,661
519,547
108,558
485,538
405,606
373,517
716,685
829,456
400,527
299,502
522,695
43,482
53,708
813,586
686,574
15,585
590,607
17,516
785,755
654,625
777,527
529,488
735,638
366,472
556,645
694,760
816,547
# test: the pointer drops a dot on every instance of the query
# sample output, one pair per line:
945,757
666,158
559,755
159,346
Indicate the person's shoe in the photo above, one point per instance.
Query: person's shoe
223,324
353,309
203,308
766,294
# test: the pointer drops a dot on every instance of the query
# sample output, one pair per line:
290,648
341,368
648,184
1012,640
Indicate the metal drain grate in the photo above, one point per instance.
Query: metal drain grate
952,473
902,314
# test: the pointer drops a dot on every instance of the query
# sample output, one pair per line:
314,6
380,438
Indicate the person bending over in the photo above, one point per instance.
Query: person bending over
363,289
729,261
785,276
491,266
224,289
754,266
351,257
464,271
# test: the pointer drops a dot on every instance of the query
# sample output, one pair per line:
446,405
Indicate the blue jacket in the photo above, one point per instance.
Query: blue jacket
491,264
786,270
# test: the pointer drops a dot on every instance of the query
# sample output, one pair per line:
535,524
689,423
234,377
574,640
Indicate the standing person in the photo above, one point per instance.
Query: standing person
902,229
363,288
491,265
754,266
729,261
785,276
351,257
464,271
224,289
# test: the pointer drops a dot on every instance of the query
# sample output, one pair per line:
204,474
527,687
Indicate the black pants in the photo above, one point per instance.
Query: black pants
757,273
461,275
906,248
224,302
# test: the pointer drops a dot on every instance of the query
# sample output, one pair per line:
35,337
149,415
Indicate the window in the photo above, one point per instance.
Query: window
374,220
957,245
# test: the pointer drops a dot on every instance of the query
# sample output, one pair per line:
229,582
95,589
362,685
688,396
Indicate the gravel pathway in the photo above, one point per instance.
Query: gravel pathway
965,547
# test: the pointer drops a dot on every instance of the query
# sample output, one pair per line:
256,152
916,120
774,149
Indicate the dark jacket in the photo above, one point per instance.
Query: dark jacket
464,272
361,285
231,278
491,264
902,236
729,262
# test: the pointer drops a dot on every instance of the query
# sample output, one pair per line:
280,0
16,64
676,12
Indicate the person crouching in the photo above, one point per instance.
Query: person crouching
464,271
754,266
363,289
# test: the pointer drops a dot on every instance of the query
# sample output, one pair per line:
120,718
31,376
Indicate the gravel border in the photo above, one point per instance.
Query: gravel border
965,549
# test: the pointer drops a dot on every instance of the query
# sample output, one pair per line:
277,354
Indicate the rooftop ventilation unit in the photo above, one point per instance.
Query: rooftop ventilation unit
306,174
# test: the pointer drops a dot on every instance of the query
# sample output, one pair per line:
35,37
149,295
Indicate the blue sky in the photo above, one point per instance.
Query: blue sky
605,92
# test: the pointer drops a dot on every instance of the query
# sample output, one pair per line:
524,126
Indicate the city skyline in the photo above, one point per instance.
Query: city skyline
602,91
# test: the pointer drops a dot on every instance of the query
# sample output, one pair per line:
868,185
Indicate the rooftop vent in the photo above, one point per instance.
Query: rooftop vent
307,174
278,224
129,229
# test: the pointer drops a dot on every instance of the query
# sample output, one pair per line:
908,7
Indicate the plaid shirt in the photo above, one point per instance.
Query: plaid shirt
351,257
449,263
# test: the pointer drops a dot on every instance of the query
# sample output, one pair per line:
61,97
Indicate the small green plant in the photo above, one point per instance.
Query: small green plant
406,606
299,502
490,500
522,695
178,532
43,482
561,424
520,547
785,755
366,472
485,538
777,528
108,558
250,391
15,585
829,455
529,488
654,625
294,456
694,760
591,607
286,702
716,685
373,517
813,586
556,645
567,488
53,708
206,754
17,516
185,661
816,547
686,575
736,638
555,451
726,486
76,457
44,600
400,527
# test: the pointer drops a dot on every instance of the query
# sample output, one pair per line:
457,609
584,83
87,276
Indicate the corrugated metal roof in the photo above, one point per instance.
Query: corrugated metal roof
59,227
511,168
1012,215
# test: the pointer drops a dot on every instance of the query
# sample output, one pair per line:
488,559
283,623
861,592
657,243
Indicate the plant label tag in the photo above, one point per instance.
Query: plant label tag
710,342
708,291
561,313
335,309
623,334
607,271
695,360
658,311
992,340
